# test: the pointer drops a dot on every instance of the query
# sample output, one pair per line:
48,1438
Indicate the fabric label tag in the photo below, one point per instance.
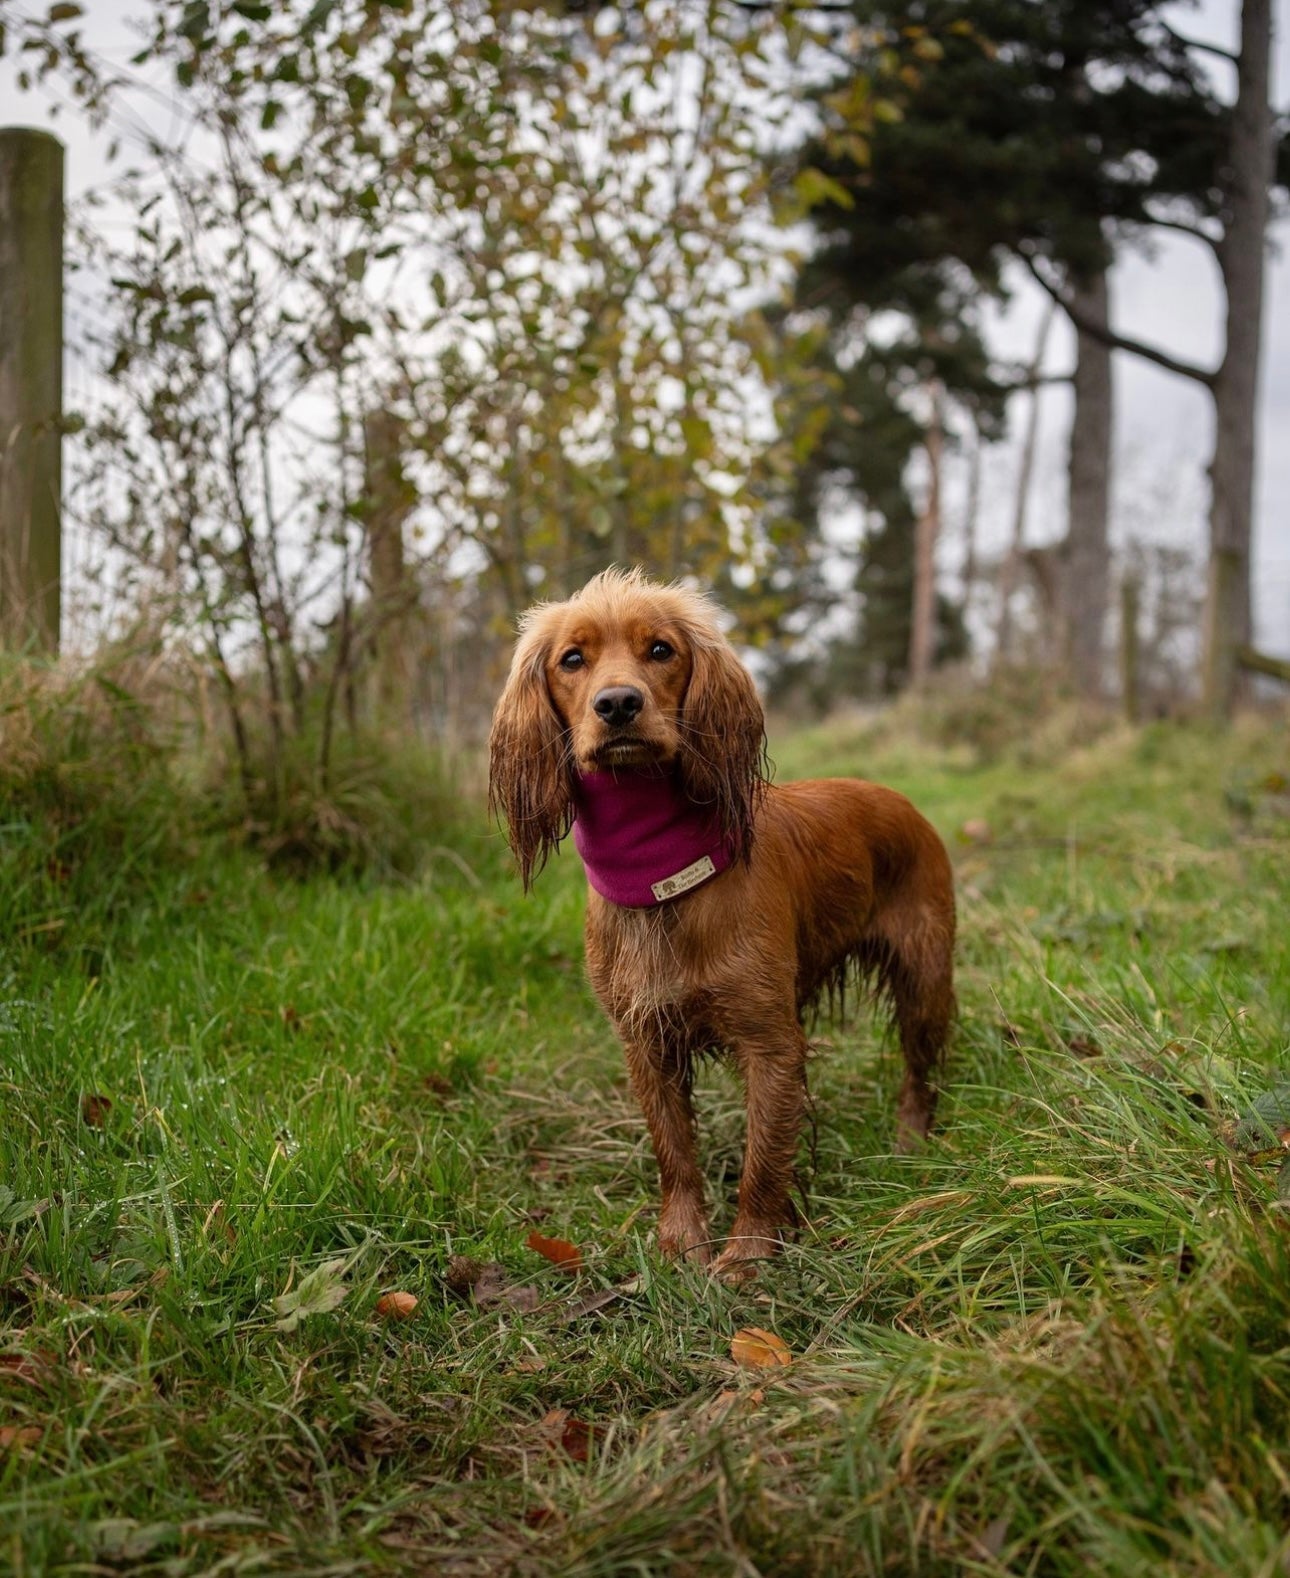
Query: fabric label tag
683,881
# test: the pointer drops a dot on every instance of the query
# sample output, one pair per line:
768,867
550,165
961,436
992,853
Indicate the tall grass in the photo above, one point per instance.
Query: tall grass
1055,1342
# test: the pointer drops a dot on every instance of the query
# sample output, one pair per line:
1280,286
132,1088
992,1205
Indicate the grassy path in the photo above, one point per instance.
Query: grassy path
235,1111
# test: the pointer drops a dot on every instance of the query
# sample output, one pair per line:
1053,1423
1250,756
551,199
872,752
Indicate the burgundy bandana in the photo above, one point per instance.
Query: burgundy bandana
641,840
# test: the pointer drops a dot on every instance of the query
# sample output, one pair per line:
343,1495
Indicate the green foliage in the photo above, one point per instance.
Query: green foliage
90,806
1053,1342
382,806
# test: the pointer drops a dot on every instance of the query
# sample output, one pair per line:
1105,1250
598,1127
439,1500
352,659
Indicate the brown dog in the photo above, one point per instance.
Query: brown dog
721,908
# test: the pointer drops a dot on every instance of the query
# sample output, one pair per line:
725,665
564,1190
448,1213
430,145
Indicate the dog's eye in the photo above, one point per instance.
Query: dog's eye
660,651
571,660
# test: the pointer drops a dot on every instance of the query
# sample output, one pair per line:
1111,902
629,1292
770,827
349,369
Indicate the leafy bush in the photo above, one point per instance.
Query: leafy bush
382,804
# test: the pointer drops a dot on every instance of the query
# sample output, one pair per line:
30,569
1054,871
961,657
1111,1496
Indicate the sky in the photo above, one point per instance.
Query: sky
1170,297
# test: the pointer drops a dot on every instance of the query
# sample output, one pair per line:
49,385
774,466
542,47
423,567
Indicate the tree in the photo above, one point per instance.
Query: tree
1227,205
513,232
1042,131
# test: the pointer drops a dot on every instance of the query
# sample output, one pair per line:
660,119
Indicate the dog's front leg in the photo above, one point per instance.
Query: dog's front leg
774,1075
661,1078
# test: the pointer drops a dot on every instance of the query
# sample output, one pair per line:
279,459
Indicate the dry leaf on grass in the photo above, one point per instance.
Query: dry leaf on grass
19,1435
486,1280
591,1303
559,1251
94,1110
396,1306
759,1350
571,1435
32,1368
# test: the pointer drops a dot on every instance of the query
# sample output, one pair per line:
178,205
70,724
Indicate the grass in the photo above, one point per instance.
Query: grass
1056,1342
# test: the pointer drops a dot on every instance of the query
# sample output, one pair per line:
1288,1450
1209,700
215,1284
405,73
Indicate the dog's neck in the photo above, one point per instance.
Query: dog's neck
642,840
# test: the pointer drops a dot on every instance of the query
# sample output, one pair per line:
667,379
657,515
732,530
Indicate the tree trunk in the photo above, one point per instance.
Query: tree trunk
1130,648
922,633
1029,443
1246,181
1085,555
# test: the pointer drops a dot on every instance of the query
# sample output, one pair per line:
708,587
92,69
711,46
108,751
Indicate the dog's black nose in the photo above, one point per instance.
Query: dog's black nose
618,704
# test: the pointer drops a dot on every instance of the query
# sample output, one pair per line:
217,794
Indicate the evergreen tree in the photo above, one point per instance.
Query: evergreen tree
1040,130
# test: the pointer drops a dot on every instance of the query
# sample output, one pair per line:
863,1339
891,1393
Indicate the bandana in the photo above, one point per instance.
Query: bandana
641,840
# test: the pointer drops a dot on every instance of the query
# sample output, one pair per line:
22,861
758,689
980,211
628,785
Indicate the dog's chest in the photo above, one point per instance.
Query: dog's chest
643,961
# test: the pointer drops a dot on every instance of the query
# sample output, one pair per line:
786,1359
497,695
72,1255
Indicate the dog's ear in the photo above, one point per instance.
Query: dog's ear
529,782
723,737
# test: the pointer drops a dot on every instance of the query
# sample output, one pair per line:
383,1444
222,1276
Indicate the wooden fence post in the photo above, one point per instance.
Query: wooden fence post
31,388
390,496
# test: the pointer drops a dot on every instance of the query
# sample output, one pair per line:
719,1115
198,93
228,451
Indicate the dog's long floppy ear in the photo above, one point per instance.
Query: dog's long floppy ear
529,781
723,736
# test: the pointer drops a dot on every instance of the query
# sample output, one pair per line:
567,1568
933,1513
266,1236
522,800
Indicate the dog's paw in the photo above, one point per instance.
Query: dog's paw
684,1235
740,1260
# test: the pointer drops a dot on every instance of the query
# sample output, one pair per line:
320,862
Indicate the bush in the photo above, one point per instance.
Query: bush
383,804
89,804
108,777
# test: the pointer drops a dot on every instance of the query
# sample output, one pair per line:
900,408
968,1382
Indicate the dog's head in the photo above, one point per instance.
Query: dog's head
625,674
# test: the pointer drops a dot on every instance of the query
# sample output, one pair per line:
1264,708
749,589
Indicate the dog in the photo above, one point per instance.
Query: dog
721,908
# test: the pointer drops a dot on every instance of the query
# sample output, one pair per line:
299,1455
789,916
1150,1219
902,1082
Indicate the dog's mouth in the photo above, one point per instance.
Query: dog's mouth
630,751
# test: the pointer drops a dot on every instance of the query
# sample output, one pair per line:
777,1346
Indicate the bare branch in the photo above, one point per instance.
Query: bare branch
1118,342
1199,44
1185,229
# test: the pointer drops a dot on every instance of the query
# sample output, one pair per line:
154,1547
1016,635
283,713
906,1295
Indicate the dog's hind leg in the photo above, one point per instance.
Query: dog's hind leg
917,974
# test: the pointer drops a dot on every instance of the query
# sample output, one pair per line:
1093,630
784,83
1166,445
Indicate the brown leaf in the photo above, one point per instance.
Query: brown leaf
33,1368
759,1349
19,1435
572,1435
94,1110
462,1273
591,1302
486,1279
559,1251
396,1306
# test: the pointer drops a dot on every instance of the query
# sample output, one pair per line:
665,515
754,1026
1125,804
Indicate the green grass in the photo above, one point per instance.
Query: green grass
1056,1342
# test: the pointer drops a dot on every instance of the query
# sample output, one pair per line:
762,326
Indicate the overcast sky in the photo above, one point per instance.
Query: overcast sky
1171,298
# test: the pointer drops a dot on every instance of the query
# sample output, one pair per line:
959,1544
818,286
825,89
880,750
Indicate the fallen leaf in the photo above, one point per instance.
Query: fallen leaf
573,1436
396,1306
19,1435
94,1110
462,1273
1261,1126
758,1349
315,1294
1084,1046
486,1280
13,1210
591,1302
29,1367
994,1537
559,1251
